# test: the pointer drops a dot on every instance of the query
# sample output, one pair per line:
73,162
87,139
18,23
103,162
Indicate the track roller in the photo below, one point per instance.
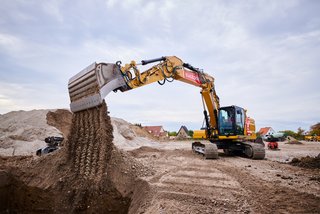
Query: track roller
254,150
208,150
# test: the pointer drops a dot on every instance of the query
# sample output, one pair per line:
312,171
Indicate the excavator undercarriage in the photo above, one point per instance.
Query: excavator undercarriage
247,149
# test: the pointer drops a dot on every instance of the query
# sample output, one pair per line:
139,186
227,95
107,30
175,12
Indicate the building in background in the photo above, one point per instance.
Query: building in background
156,131
183,133
266,132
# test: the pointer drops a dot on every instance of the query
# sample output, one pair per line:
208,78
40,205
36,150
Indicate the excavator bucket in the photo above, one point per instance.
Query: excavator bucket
89,87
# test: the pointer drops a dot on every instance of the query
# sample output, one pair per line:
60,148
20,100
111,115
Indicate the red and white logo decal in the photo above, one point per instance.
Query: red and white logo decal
249,132
194,77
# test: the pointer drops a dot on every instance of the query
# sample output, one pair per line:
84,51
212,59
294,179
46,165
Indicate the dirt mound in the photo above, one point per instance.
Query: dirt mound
23,132
307,162
294,142
25,125
50,185
143,150
140,131
88,175
129,137
61,119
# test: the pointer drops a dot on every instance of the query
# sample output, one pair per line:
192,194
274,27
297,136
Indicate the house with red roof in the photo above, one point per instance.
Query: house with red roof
156,131
266,132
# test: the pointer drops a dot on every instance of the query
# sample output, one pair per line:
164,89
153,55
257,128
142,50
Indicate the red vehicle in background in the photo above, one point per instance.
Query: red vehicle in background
272,142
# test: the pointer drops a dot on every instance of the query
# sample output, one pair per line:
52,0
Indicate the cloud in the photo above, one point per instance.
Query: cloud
263,55
21,96
53,9
10,44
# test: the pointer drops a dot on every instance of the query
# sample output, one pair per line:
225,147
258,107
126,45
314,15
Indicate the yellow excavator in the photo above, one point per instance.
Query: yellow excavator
228,128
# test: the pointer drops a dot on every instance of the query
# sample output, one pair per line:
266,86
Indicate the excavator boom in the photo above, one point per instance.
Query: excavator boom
90,86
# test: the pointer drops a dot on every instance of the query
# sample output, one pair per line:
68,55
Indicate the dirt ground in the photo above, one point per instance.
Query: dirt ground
93,174
185,182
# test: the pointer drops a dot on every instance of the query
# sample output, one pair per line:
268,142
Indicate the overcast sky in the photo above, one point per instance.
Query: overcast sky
264,55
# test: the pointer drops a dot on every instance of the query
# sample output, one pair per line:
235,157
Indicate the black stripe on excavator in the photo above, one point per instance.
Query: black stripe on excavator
216,117
206,118
145,62
187,65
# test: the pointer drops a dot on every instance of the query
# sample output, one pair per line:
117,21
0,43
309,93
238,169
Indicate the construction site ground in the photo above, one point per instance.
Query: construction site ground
185,182
144,175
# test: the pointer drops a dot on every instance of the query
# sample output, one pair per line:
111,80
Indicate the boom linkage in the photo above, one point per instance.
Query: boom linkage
172,68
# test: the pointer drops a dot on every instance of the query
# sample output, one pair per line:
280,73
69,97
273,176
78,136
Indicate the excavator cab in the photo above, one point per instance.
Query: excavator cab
231,121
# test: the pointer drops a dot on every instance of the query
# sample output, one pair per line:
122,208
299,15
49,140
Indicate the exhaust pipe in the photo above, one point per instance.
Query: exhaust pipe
90,86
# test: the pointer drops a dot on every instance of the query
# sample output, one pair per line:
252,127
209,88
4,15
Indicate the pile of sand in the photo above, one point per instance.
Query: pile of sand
130,137
292,140
23,132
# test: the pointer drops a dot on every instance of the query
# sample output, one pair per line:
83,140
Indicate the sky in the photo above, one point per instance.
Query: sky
264,56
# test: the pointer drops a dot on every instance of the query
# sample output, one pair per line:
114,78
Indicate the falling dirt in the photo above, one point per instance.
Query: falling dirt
90,142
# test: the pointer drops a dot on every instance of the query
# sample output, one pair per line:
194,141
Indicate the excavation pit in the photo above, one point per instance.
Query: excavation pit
88,175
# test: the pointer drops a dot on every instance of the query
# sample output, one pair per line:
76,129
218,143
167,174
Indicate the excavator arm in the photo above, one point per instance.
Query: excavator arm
89,87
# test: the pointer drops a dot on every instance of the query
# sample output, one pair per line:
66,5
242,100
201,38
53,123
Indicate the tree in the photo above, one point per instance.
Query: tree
300,133
172,133
190,133
288,133
315,129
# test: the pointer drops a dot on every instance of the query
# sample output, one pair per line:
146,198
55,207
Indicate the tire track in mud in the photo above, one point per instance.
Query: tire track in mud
90,142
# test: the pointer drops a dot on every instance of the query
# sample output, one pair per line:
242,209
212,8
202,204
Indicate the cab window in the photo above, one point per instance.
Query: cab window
240,116
226,121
